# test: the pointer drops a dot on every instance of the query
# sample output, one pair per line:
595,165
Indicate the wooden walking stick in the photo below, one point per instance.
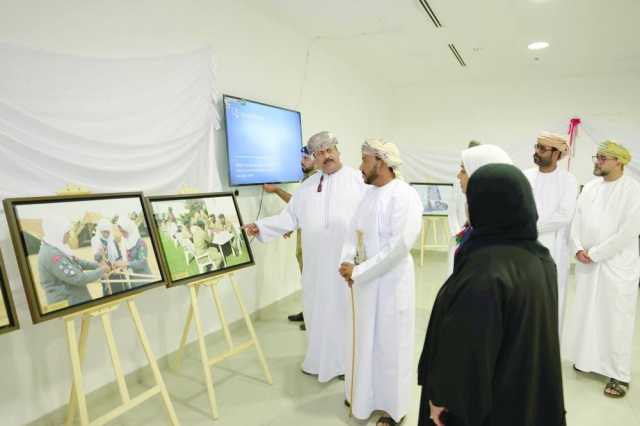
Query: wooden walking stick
353,348
359,258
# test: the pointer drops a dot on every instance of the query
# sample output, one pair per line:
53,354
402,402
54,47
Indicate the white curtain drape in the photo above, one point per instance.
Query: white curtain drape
423,164
107,124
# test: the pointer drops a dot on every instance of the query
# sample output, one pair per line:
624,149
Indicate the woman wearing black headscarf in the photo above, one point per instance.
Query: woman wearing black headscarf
491,356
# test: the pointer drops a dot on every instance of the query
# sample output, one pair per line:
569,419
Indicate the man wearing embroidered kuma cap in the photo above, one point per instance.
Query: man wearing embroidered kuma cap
556,193
605,238
377,262
322,208
308,166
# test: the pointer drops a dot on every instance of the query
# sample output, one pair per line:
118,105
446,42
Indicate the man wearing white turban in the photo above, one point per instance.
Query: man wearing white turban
556,193
322,208
63,276
377,264
604,235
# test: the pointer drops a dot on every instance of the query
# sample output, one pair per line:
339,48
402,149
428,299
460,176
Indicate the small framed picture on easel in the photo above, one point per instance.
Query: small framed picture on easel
80,251
435,197
201,235
8,317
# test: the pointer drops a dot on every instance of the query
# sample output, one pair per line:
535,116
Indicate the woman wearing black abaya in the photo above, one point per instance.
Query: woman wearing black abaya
491,356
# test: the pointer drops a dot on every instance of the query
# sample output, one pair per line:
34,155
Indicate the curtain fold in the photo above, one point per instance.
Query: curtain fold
107,124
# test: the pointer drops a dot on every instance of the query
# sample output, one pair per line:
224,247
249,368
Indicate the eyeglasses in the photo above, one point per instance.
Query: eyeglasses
543,148
602,158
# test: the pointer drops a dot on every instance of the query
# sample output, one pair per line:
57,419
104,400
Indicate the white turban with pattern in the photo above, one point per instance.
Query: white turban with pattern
321,141
385,151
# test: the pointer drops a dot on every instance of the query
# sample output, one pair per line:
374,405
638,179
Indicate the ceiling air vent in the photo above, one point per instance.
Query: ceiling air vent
427,8
457,55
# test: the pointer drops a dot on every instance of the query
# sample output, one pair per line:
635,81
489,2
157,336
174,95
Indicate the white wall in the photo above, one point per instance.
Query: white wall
256,57
440,120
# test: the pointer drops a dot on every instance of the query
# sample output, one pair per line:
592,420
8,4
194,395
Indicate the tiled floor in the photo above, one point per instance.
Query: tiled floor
295,399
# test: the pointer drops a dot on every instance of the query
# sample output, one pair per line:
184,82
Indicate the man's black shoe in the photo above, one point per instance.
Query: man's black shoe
296,317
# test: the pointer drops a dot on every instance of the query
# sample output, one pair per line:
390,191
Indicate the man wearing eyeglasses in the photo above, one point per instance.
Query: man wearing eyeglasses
322,208
604,234
307,164
556,192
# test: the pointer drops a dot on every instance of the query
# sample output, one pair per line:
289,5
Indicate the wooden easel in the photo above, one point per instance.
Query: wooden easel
234,349
77,350
431,222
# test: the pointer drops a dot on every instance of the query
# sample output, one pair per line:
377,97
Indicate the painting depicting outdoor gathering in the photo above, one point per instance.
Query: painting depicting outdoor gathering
201,235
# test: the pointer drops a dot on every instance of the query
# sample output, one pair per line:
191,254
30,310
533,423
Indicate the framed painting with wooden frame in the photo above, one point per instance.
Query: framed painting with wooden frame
76,252
200,235
435,197
8,316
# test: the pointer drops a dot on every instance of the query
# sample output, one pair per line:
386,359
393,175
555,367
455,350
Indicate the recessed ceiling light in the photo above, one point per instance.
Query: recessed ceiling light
538,45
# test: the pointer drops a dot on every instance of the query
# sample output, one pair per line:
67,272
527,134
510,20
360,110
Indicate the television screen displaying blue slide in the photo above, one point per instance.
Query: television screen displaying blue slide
263,142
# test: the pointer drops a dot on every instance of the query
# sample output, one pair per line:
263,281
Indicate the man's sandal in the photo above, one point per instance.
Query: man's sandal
388,421
616,389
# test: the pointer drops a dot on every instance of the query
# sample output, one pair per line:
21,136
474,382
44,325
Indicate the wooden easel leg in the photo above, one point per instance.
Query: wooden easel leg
82,345
152,362
247,320
216,300
204,357
77,399
115,358
185,336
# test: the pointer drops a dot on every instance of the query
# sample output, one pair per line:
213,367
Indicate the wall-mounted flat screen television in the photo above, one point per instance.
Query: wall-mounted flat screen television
263,142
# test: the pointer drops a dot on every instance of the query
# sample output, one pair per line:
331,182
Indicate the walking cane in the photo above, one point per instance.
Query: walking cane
359,258
353,348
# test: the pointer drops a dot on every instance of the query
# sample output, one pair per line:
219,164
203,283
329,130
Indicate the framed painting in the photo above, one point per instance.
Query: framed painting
8,317
201,235
80,251
435,197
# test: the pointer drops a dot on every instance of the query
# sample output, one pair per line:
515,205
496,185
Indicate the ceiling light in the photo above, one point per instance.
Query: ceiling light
538,45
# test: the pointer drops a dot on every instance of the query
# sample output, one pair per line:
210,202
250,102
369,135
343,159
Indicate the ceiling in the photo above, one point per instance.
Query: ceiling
395,41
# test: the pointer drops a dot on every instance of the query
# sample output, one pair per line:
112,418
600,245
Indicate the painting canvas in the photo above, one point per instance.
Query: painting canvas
201,235
8,318
80,251
435,197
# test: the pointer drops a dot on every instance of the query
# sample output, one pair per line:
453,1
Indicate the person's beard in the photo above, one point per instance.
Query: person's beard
599,172
371,177
307,170
541,161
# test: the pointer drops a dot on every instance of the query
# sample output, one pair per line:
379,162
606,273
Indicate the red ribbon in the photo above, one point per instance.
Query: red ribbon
573,133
